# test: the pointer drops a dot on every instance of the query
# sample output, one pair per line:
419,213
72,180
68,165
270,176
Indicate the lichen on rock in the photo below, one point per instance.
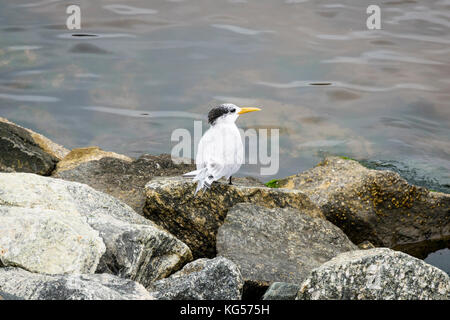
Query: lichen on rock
377,206
375,274
195,219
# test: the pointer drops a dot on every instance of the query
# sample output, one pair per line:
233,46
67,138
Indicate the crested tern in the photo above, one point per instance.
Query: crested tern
220,151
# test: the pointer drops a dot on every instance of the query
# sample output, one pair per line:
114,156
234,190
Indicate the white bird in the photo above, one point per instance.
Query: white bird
220,152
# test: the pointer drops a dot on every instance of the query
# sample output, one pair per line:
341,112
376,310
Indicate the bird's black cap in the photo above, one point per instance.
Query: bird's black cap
217,112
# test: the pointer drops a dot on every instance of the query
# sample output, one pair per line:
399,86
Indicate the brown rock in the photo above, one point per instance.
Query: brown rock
378,206
81,155
19,152
46,144
195,219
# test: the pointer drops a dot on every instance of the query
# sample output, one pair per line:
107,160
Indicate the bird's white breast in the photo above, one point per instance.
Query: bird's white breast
221,149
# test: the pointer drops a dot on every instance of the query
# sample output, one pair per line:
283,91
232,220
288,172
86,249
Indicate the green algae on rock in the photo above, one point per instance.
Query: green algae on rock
272,183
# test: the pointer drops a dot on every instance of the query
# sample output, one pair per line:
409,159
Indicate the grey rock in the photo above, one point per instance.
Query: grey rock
116,175
48,241
136,248
380,273
377,206
20,153
278,245
202,279
281,291
143,253
195,219
7,296
33,286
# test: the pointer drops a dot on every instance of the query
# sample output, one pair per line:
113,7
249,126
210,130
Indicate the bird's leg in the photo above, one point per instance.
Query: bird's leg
230,182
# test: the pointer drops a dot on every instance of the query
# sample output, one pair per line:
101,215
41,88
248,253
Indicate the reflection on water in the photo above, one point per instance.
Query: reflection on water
89,35
241,30
27,98
149,114
299,84
327,82
124,9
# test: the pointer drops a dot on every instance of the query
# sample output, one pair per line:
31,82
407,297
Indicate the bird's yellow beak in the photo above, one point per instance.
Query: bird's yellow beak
245,110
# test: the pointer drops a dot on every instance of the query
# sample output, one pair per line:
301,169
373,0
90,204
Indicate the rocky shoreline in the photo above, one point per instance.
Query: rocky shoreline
92,224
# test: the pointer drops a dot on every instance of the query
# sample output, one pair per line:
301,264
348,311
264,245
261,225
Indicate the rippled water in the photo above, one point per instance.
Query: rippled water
138,70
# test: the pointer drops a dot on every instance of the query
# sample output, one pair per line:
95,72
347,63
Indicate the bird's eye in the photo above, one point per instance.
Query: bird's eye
233,110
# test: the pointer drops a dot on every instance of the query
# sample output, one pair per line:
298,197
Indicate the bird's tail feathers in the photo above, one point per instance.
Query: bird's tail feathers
201,175
192,174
